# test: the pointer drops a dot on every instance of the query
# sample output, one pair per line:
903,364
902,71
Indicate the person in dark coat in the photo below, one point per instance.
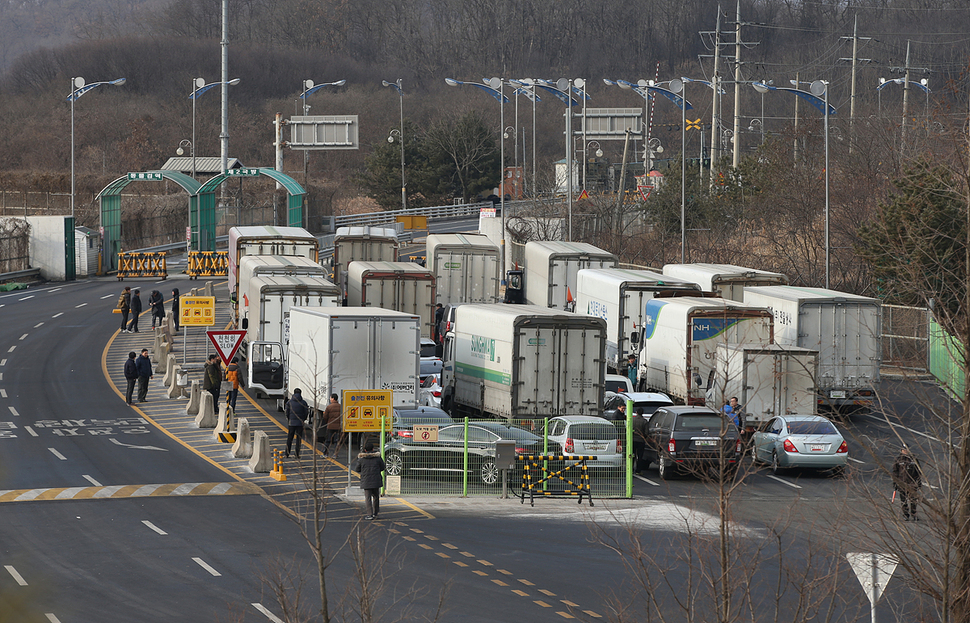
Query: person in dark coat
639,442
135,311
157,304
297,411
131,375
175,307
212,378
907,480
144,365
370,466
124,304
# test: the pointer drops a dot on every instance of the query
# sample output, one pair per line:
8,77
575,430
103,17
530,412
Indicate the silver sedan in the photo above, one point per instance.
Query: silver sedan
801,441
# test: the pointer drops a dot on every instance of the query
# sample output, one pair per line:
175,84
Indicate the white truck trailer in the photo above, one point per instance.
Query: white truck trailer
523,361
551,268
725,280
679,342
401,286
466,268
619,296
267,240
262,265
267,301
353,348
767,380
845,329
364,244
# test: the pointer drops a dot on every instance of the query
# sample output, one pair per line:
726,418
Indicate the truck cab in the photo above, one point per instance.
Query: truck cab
265,368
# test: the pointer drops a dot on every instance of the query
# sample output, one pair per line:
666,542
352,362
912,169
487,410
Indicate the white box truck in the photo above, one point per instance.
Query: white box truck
725,280
523,361
364,244
267,240
845,329
401,286
466,268
679,342
767,380
267,301
619,296
253,265
551,268
354,348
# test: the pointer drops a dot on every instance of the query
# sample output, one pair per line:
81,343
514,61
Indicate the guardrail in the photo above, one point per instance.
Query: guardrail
20,274
390,216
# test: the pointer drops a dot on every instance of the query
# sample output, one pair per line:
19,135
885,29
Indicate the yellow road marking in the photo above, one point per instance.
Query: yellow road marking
542,603
545,592
479,572
527,583
499,582
520,593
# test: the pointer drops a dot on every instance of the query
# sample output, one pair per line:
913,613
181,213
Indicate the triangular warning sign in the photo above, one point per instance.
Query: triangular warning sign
645,190
584,194
874,572
226,343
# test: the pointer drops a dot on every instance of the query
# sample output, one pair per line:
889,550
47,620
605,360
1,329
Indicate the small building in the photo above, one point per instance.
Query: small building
86,247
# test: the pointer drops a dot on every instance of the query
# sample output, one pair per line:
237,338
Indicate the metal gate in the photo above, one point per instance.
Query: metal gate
905,338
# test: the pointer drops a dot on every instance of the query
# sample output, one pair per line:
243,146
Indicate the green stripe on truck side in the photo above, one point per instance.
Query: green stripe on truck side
483,373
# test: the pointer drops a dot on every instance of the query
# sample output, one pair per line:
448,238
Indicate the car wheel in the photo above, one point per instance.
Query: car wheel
775,465
665,468
489,472
394,463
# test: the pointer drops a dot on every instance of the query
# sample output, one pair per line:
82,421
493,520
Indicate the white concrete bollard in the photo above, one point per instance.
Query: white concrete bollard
169,374
262,459
157,346
222,420
162,358
243,448
170,324
194,397
174,390
207,289
207,414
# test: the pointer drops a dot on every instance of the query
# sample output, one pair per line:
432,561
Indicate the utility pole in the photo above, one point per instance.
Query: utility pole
737,85
716,81
855,60
906,72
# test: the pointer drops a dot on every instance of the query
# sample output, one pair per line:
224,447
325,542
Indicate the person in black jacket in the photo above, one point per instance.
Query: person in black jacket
370,465
135,311
907,480
212,378
157,304
131,375
175,307
144,366
297,411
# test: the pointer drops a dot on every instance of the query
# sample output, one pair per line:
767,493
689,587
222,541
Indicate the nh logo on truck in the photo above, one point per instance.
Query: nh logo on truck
483,347
452,265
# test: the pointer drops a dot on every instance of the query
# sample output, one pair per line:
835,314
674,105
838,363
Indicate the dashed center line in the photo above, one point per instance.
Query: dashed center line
53,291
784,482
91,480
856,460
154,527
3,393
3,362
57,314
16,576
50,615
269,615
57,454
12,348
26,297
81,305
38,325
24,336
107,296
206,566
13,411
32,432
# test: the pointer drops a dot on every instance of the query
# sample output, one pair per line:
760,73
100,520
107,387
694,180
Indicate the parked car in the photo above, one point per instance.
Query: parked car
447,454
644,403
617,383
429,367
405,419
428,348
430,392
694,439
801,441
587,435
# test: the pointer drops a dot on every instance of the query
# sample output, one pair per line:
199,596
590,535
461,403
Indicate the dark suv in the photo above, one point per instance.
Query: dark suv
692,439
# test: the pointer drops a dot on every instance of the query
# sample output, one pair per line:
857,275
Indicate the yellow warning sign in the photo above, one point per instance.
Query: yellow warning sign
363,410
197,311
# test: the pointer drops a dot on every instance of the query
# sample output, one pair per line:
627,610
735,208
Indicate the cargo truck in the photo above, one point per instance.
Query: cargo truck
619,296
844,328
267,301
767,380
678,343
363,244
724,280
466,268
523,361
353,348
261,265
401,286
551,268
267,240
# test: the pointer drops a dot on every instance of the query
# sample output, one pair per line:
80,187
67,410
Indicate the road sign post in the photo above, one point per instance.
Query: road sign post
196,311
226,343
366,411
874,572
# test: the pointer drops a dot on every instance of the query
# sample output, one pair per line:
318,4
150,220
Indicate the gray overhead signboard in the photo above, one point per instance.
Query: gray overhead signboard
324,132
604,124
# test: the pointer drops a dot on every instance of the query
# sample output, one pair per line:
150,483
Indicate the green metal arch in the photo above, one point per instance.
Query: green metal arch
294,211
291,185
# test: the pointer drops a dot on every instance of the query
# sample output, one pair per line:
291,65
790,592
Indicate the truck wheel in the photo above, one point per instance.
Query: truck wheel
489,472
665,468
394,463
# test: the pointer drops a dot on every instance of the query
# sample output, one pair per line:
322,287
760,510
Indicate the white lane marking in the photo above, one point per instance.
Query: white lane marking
107,296
856,460
162,281
57,454
154,527
16,576
784,482
13,411
53,291
50,615
269,615
38,325
81,305
32,432
3,362
205,566
24,336
12,348
26,297
127,445
91,480
895,426
647,480
57,314
3,393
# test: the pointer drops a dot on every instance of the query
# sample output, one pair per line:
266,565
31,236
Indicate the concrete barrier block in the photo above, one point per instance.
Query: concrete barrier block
157,345
222,420
207,289
261,461
169,373
207,414
195,394
243,448
170,325
174,391
162,358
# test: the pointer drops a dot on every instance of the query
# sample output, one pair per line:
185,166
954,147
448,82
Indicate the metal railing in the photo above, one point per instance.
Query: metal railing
20,274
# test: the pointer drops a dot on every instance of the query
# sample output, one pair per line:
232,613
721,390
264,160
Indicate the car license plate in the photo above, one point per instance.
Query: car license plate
837,393
595,447
705,442
817,447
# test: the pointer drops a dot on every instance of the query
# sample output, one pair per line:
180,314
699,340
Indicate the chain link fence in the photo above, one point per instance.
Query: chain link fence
905,338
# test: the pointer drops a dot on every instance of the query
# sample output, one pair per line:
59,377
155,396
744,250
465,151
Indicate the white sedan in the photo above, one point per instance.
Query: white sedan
800,441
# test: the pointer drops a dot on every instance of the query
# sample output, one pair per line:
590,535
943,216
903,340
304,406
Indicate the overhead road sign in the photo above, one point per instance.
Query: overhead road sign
324,132
226,343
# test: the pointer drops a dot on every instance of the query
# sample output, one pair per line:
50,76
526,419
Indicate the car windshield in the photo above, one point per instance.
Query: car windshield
648,408
427,349
616,386
805,427
513,432
432,366
592,431
699,422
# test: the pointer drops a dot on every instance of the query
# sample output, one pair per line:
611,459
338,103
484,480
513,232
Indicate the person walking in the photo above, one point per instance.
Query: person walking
157,305
124,304
733,409
907,480
131,375
297,411
370,466
212,378
144,365
175,307
135,311
639,442
233,376
331,416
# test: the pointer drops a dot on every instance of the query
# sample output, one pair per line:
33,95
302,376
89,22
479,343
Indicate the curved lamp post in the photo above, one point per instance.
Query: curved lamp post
79,88
199,87
309,88
598,153
562,89
818,97
922,84
400,91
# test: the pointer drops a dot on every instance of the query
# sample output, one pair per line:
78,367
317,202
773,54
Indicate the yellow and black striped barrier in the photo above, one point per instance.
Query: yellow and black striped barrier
131,264
208,264
537,485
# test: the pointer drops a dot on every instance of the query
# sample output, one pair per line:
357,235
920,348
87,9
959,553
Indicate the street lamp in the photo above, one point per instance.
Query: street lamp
922,84
819,98
79,88
757,125
493,88
527,87
308,89
598,153
390,139
179,151
562,90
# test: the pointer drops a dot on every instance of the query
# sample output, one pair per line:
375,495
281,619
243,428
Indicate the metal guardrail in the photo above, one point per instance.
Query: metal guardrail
176,246
20,274
390,216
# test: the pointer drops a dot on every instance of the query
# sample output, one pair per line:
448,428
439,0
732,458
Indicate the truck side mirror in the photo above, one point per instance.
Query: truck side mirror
634,338
245,323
